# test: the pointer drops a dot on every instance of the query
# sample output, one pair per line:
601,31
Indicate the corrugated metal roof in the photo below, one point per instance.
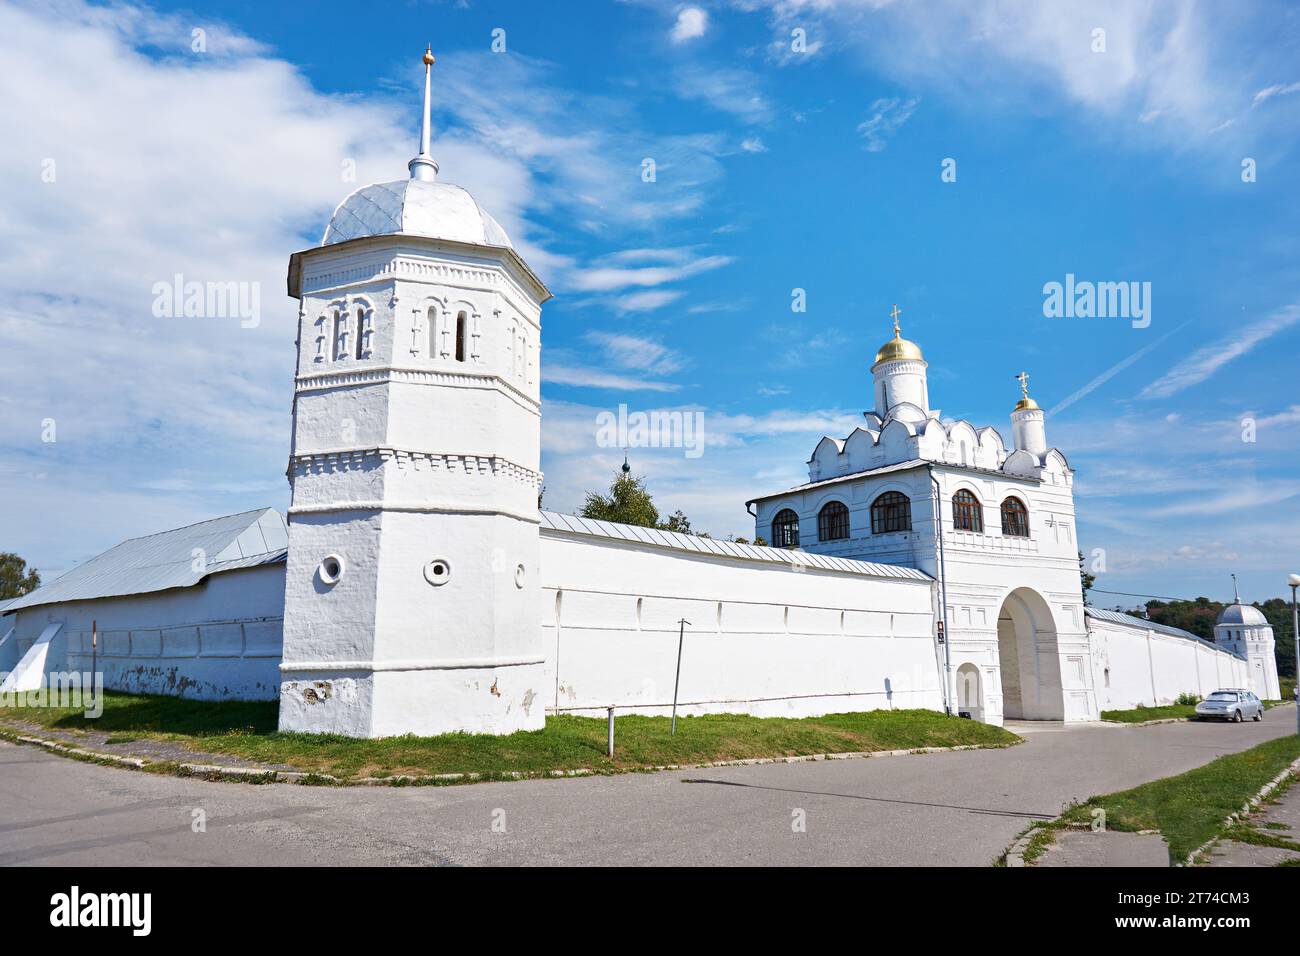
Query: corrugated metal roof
731,549
166,560
1119,617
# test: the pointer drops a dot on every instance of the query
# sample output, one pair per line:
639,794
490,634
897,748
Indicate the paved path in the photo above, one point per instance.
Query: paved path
955,808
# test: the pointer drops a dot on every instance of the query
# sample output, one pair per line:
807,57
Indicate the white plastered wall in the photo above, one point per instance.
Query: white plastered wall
763,639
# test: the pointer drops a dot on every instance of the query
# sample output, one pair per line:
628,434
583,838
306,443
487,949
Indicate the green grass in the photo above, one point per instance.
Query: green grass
247,730
1139,714
1189,809
1288,687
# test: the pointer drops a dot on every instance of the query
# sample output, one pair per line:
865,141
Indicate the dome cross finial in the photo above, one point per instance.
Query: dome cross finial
1236,595
1025,401
898,332
423,166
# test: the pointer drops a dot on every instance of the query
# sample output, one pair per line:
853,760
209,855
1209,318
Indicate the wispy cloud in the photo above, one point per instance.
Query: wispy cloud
1204,362
886,116
729,90
606,278
557,374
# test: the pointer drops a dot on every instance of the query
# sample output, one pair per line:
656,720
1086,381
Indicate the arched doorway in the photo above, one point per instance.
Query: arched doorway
1030,659
970,695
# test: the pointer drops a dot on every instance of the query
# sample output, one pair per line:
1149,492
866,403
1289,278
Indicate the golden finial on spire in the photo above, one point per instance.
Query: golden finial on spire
898,332
428,55
898,348
422,166
1025,401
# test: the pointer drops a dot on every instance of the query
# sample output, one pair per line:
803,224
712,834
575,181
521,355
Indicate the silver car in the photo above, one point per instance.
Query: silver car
1235,704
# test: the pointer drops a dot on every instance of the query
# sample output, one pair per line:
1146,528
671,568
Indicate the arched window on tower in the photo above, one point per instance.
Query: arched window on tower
892,511
433,331
340,334
785,529
1015,518
363,331
833,521
461,335
966,512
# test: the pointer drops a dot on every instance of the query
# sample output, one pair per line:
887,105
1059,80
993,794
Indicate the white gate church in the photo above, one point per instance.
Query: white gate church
417,588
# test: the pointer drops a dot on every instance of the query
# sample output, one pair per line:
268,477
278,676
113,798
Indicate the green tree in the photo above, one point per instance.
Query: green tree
1086,579
677,521
628,502
15,577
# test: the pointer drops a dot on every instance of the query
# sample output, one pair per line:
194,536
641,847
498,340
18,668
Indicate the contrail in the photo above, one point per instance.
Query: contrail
1110,373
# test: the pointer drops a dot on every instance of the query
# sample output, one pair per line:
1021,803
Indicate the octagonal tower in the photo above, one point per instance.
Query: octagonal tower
411,592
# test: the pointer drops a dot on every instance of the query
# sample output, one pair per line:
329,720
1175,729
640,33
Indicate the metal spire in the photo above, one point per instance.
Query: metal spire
423,166
1236,597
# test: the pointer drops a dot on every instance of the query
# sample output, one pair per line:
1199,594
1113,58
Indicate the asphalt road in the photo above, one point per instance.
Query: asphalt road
951,809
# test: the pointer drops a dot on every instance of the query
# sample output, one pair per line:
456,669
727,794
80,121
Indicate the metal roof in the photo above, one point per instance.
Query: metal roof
727,549
1119,617
168,559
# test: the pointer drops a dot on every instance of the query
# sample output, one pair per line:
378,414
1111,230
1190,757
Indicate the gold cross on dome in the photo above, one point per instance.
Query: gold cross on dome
894,315
1023,379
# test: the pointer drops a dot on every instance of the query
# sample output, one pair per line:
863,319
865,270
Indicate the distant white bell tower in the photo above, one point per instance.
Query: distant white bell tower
411,592
1244,630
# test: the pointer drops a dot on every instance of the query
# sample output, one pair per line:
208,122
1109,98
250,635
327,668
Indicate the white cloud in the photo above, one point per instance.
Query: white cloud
886,116
638,352
1270,91
753,145
558,374
691,23
728,90
1204,362
600,278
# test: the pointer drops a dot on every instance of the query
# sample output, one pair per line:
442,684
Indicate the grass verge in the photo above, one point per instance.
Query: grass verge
247,731
1189,809
1139,714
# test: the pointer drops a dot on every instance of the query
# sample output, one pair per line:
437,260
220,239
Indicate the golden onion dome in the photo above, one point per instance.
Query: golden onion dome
1025,403
898,348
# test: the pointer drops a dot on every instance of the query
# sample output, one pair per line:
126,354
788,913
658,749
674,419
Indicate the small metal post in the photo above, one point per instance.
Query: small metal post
94,657
1294,581
681,632
611,733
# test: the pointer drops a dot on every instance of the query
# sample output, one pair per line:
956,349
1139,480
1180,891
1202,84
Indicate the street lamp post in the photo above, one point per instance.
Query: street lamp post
1294,581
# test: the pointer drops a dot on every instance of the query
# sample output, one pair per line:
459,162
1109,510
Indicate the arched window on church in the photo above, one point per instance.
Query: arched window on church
1015,518
433,331
892,511
785,529
461,335
966,512
833,521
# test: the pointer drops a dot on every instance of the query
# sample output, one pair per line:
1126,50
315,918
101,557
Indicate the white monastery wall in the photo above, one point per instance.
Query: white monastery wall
764,639
1136,666
218,640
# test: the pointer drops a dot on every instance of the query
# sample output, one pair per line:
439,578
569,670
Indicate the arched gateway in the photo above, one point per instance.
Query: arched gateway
1030,658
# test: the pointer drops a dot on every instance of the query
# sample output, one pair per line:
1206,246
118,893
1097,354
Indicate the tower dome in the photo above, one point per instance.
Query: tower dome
419,206
1243,614
898,378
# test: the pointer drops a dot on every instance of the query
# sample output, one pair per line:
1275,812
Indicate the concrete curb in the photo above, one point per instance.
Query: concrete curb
1232,819
217,772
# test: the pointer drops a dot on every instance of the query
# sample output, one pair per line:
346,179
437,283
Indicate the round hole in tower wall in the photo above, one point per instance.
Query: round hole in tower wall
520,575
331,568
437,572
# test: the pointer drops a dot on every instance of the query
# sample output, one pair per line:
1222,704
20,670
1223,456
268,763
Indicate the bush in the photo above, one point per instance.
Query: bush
1188,699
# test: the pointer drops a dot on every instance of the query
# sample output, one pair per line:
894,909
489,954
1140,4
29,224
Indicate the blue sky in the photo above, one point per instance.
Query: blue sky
775,170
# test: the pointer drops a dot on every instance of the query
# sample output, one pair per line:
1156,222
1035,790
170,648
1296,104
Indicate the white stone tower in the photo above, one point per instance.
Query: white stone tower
898,379
1245,631
411,592
1028,431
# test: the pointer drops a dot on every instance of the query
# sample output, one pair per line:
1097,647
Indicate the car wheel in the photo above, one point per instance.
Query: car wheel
1236,718
1259,714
